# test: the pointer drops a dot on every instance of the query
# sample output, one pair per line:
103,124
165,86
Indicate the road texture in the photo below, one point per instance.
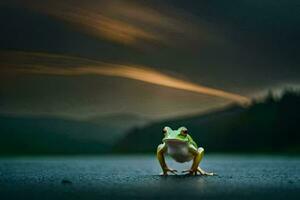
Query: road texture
136,177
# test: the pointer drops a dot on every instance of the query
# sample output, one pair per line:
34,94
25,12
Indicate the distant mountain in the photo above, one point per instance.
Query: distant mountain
36,135
270,125
115,125
53,135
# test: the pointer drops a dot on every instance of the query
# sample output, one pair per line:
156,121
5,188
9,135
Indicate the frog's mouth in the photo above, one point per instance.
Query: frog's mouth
174,141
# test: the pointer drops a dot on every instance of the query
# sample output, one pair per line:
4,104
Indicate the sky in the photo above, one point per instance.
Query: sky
157,59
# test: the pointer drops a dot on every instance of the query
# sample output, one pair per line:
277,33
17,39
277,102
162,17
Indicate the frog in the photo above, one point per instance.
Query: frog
180,146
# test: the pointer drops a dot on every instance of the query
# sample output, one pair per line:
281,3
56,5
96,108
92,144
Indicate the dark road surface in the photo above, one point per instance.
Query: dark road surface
136,177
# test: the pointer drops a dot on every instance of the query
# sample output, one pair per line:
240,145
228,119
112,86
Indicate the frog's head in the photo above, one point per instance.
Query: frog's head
175,136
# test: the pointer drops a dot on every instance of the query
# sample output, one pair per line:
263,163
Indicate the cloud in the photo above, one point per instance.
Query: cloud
127,22
52,64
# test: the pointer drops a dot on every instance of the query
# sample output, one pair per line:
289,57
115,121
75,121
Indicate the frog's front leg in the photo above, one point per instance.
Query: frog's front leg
198,155
161,150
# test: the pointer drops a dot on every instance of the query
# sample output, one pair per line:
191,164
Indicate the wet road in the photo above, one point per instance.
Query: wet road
136,177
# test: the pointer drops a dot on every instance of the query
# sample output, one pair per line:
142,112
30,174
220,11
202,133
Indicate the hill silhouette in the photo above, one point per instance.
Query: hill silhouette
115,125
270,125
39,136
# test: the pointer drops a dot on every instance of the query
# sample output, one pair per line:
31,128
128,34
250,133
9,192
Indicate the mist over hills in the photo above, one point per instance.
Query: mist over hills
115,125
269,126
33,135
21,135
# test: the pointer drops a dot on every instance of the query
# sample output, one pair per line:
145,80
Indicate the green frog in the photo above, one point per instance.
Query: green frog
182,148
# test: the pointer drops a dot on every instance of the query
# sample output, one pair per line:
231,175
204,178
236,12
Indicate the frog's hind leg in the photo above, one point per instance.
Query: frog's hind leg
161,149
199,170
195,169
198,155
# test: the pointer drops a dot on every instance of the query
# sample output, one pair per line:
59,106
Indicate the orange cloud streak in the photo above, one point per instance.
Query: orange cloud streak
142,74
39,63
123,21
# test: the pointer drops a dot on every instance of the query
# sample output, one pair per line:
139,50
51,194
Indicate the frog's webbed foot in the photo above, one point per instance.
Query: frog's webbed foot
189,172
198,170
202,172
166,170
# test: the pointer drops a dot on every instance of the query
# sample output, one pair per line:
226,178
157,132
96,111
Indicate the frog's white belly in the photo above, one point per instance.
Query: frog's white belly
179,151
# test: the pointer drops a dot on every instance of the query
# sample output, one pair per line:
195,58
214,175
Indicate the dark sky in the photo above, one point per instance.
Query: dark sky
241,47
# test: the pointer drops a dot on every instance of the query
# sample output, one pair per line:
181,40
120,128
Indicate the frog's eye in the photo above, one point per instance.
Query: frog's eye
184,131
164,131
